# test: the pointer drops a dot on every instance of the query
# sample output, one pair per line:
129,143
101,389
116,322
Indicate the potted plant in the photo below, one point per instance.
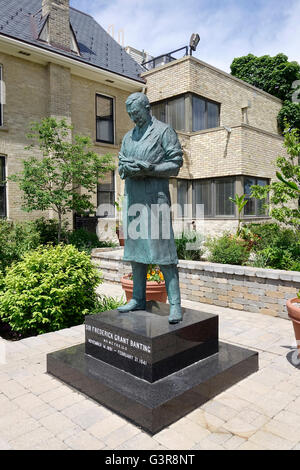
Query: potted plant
293,308
119,230
155,285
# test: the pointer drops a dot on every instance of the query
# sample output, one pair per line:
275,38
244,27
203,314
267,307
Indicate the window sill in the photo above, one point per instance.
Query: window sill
104,144
4,129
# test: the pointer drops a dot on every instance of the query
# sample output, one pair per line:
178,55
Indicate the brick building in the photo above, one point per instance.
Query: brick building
229,134
57,61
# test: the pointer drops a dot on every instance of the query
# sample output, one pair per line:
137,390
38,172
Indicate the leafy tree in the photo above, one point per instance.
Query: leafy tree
53,180
240,203
285,193
275,75
289,112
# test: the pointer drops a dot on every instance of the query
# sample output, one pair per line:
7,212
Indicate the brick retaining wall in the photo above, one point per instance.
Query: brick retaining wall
240,287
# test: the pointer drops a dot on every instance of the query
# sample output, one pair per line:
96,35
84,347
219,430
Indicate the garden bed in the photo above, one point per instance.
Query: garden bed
239,287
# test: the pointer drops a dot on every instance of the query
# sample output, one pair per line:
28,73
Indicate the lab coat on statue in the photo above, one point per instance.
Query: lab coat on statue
148,232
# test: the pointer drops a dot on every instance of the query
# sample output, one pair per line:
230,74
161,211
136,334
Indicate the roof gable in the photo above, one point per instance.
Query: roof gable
22,19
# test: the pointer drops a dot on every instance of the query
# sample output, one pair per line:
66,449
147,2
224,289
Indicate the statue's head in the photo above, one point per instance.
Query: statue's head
138,108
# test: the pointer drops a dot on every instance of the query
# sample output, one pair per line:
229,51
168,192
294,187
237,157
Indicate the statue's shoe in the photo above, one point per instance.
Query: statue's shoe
132,305
175,314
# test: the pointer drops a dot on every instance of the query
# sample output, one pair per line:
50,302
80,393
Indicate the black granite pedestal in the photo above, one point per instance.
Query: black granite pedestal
149,371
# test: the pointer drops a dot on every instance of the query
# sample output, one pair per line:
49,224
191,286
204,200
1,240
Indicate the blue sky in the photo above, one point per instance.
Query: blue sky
228,28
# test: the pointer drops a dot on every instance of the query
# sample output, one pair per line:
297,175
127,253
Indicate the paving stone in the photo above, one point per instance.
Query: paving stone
216,408
84,441
57,423
29,440
93,416
120,436
64,402
12,389
267,440
4,445
51,444
104,427
141,442
174,440
206,420
240,428
290,432
234,442
194,431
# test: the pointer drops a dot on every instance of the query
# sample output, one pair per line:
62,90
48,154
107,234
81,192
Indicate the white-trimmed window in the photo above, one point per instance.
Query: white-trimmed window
105,131
2,95
106,195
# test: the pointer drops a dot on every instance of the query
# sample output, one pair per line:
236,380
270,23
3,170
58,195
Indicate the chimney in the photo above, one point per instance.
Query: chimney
58,23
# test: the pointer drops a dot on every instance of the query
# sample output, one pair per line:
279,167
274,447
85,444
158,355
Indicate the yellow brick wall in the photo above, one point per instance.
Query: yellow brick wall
190,74
34,91
26,101
244,151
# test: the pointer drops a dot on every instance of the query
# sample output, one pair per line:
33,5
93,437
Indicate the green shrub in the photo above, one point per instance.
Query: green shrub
182,242
227,249
274,246
105,302
48,229
50,289
15,240
84,240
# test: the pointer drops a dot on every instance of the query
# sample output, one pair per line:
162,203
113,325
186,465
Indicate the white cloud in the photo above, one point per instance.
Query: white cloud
228,28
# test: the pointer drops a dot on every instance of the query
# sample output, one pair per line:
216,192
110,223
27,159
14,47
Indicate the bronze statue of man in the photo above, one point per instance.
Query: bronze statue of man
149,155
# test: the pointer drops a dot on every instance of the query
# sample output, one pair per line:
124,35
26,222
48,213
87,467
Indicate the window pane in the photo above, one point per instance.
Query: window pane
212,115
159,111
107,182
198,114
176,113
105,130
106,195
104,107
249,208
104,114
2,188
182,195
2,169
260,210
224,190
202,194
2,202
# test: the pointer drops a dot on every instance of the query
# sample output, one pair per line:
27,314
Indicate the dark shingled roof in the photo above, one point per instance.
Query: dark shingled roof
22,19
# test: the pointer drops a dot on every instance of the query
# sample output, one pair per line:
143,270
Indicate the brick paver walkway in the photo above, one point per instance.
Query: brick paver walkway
261,412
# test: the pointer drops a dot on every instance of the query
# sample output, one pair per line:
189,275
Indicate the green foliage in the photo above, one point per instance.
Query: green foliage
290,112
105,303
48,229
240,203
15,240
84,240
275,75
285,193
53,287
182,245
227,249
54,180
275,247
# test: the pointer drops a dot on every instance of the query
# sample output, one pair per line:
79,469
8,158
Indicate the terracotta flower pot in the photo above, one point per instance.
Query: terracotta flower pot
154,290
293,307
